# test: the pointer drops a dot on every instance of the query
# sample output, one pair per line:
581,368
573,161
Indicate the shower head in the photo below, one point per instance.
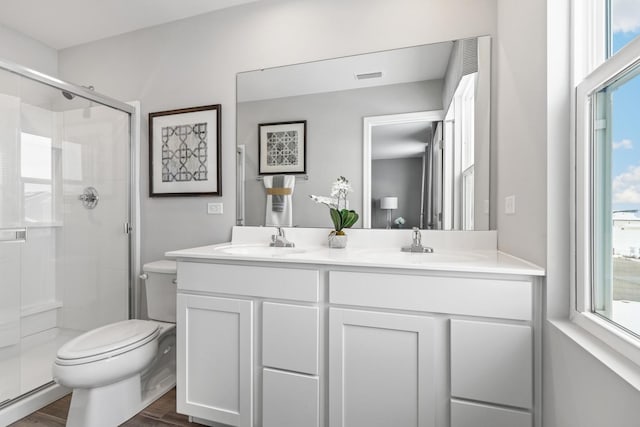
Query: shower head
70,96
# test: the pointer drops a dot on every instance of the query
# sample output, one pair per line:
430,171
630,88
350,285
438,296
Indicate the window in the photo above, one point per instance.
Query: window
37,179
623,24
616,203
459,134
607,212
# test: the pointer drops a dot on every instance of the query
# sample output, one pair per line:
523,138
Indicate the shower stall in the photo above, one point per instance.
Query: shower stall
67,259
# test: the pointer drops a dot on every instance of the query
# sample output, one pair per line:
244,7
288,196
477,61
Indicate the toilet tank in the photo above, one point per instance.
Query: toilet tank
161,290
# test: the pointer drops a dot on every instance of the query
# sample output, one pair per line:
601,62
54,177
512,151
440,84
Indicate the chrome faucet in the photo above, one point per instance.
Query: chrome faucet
416,243
279,240
416,237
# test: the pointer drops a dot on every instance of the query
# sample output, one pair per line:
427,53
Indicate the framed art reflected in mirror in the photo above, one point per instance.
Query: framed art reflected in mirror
184,152
282,147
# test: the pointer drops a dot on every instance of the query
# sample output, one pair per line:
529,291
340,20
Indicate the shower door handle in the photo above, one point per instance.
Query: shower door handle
13,234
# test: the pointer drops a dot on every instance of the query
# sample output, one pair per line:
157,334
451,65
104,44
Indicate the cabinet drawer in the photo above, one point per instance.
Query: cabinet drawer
289,400
506,299
468,414
290,337
492,362
268,282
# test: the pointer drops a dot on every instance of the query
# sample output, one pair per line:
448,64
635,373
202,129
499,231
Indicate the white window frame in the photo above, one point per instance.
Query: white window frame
583,233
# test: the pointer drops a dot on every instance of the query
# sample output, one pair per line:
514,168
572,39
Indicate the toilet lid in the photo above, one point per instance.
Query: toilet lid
108,341
163,266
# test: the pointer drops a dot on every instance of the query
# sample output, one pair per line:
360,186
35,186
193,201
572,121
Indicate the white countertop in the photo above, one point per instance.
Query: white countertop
358,255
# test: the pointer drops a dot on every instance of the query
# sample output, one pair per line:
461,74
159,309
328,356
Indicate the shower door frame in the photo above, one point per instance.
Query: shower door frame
131,227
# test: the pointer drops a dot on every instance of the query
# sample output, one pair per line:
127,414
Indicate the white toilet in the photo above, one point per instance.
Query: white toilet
118,369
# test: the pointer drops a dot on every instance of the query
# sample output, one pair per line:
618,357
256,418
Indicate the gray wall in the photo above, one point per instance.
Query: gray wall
334,141
23,50
521,120
463,61
401,178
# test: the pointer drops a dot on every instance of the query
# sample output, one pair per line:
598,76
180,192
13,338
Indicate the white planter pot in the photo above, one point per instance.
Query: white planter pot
337,241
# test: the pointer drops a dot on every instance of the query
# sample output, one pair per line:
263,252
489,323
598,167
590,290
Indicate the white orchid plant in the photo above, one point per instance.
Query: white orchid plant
337,204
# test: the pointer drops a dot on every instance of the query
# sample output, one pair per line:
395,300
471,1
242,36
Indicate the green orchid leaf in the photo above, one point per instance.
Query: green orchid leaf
336,217
349,217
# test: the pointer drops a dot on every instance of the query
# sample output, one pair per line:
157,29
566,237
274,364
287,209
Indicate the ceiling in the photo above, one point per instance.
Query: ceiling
64,23
400,141
418,63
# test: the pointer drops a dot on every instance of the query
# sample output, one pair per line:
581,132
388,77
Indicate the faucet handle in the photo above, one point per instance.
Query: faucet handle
416,244
417,236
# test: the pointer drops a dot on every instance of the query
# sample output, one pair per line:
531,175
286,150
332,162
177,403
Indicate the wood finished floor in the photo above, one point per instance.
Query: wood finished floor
161,413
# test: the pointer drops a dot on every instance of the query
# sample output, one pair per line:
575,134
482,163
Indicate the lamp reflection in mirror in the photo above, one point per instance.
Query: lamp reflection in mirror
389,203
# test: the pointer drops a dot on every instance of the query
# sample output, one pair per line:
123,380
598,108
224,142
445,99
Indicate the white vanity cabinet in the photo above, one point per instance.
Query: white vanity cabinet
314,344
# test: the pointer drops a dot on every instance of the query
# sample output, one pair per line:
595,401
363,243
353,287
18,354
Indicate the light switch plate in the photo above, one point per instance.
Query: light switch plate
510,205
214,208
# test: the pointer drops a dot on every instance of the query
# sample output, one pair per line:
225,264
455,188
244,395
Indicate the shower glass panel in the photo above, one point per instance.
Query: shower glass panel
64,266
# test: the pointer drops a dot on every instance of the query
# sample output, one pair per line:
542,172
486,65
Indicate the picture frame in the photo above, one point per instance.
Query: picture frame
282,148
185,152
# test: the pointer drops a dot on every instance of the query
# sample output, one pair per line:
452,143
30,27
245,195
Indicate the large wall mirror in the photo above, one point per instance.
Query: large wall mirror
409,128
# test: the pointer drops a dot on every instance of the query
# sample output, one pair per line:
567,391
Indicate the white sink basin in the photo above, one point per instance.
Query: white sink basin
439,257
258,250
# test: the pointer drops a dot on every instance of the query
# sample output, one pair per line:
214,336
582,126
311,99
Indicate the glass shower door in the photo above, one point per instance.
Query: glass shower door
11,242
10,251
64,200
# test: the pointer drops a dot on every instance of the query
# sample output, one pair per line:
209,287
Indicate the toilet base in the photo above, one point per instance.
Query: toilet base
106,406
113,404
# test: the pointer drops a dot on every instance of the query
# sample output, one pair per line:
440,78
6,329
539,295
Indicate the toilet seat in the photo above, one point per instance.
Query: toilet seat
107,341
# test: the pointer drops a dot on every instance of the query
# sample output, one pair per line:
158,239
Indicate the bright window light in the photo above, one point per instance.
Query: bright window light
35,156
624,23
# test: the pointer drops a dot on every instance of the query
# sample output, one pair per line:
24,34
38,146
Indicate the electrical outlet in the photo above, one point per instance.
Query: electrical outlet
214,208
510,205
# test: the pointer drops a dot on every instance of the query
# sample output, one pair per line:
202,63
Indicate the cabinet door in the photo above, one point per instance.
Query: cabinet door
381,369
215,359
492,362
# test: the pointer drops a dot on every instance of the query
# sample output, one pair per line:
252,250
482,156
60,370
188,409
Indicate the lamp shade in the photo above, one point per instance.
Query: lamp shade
389,203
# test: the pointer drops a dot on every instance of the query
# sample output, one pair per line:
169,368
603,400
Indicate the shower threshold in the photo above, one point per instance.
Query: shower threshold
27,367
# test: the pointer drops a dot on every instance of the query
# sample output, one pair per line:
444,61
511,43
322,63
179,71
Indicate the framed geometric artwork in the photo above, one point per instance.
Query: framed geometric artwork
282,148
184,152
